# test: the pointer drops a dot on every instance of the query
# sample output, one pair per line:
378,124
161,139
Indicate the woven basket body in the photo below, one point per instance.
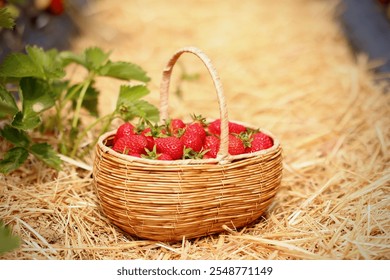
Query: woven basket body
169,200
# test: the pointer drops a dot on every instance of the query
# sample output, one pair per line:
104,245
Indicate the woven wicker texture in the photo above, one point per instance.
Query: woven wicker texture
169,200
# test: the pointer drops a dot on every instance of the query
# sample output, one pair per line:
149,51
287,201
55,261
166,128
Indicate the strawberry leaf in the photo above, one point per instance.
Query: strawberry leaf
124,71
26,122
95,58
139,108
46,62
131,93
13,159
36,63
19,65
45,153
6,19
7,102
17,137
37,96
130,105
8,241
92,59
68,57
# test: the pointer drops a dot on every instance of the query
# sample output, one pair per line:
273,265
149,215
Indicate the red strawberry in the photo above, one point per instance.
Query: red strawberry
236,128
215,127
207,156
125,129
236,146
131,144
191,139
212,144
164,157
175,125
196,128
171,145
148,134
152,154
260,141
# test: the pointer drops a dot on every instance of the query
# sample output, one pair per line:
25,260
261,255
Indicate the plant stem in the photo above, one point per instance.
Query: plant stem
60,106
77,143
71,93
80,99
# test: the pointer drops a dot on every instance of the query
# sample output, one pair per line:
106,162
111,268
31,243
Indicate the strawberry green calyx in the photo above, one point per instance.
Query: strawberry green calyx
199,119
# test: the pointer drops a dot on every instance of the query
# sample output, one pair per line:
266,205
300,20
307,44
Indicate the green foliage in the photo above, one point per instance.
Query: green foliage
18,138
45,153
6,19
35,63
8,241
13,159
7,102
23,145
51,103
131,105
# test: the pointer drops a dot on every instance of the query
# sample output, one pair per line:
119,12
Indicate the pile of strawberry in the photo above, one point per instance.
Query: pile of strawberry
175,139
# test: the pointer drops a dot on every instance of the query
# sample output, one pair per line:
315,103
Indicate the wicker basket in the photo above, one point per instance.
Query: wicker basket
172,200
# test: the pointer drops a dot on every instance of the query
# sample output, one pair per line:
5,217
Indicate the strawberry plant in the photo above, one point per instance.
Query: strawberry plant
36,97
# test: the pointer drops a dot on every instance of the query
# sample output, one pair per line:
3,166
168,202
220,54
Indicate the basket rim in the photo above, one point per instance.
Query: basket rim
219,159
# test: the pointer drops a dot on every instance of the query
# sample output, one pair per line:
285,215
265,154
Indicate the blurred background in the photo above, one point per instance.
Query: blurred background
264,45
56,23
46,23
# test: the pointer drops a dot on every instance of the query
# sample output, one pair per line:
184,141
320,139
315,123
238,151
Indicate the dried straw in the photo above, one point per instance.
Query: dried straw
284,65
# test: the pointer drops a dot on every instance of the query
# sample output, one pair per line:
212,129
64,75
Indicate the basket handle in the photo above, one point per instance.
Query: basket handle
164,93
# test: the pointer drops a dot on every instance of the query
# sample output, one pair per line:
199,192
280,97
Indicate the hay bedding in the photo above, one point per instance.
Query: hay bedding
285,66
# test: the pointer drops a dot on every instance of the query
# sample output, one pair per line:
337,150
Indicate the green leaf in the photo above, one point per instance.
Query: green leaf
124,71
26,122
140,109
17,137
128,94
37,96
19,65
8,241
36,63
92,58
46,62
7,102
95,58
130,105
150,112
13,158
45,153
68,57
6,19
